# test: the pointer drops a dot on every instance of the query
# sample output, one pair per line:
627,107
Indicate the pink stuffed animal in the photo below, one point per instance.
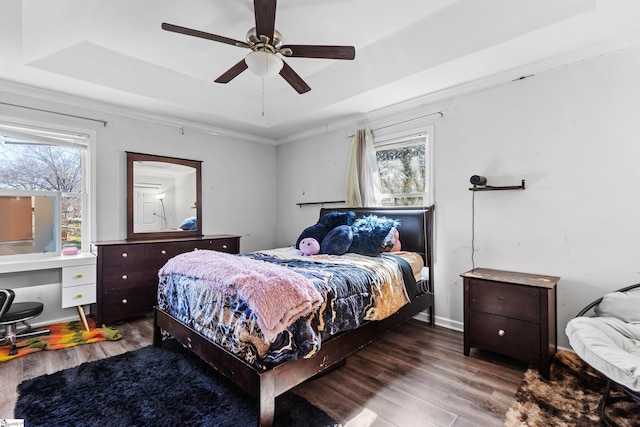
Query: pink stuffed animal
309,246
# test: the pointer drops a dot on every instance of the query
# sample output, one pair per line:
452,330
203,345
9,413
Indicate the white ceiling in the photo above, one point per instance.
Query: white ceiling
115,51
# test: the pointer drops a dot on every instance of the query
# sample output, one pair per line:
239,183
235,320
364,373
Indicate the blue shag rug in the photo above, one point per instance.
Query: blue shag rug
150,387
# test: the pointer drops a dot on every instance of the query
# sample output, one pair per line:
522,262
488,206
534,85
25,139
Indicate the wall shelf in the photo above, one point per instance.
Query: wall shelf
490,188
319,203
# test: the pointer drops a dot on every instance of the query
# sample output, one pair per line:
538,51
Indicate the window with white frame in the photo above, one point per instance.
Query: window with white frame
36,163
405,169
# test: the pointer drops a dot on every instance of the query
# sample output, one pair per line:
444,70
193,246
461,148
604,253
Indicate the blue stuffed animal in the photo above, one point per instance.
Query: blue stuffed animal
326,225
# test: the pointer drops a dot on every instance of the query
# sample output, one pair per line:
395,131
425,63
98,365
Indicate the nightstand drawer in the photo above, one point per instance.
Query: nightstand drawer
518,302
78,275
78,295
512,337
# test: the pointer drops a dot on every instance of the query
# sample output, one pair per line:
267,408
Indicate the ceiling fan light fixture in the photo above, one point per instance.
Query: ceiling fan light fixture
263,64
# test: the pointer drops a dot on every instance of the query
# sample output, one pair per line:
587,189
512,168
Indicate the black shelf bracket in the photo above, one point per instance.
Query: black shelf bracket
490,188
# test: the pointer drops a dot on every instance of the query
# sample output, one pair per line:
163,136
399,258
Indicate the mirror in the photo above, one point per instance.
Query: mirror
163,197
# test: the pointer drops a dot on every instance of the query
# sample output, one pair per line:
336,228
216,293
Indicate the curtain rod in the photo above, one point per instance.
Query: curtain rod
104,122
437,113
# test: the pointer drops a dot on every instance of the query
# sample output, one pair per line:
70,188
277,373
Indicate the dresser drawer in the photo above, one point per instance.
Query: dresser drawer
78,275
230,245
78,295
508,336
157,254
124,302
517,302
122,255
128,278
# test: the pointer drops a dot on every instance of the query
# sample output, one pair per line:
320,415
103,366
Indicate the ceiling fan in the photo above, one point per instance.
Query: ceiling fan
267,50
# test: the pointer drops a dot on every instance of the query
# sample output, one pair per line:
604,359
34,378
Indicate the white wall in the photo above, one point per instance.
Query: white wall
571,133
238,177
238,180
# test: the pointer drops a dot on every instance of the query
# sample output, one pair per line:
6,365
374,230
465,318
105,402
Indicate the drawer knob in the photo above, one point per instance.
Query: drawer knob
124,255
224,246
163,252
501,332
125,277
79,276
124,301
79,296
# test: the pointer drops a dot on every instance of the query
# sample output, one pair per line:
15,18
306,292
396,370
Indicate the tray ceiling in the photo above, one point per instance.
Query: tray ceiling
115,51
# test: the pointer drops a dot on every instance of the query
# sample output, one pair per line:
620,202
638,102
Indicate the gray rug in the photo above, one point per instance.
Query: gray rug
150,387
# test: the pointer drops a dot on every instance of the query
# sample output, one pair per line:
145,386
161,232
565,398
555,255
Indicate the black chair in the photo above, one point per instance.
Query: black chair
12,313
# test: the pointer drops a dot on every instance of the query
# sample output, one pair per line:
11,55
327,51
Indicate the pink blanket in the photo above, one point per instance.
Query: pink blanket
277,295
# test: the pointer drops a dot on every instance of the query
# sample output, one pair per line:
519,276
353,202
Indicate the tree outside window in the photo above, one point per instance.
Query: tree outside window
402,168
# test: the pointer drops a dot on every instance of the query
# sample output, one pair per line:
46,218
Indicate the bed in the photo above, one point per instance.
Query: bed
266,379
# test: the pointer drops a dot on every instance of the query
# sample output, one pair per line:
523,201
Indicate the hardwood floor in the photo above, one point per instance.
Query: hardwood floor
415,376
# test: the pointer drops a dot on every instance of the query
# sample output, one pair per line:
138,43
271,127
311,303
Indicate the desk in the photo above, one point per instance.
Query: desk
78,272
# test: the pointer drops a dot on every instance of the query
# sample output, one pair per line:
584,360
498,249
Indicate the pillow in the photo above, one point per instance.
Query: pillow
369,233
337,241
621,305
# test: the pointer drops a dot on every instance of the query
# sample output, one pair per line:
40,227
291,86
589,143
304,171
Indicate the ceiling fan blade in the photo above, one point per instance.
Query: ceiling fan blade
232,72
294,79
325,52
202,35
265,13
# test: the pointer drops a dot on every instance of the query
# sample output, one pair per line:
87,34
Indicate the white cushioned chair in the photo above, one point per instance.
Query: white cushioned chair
609,340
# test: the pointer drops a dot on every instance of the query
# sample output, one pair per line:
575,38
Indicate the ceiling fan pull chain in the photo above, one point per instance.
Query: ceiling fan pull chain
263,97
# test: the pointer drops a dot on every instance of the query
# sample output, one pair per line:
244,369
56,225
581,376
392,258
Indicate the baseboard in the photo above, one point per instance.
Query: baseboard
441,321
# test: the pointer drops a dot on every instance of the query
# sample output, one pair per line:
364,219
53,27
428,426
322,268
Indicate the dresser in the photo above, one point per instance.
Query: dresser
511,313
127,272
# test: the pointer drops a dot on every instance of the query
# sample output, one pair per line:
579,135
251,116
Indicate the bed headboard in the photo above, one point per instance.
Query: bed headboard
416,225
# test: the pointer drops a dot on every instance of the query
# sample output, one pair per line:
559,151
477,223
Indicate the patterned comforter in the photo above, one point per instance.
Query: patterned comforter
354,289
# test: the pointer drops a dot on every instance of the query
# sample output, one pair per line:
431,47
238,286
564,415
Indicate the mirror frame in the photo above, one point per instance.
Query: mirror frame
137,157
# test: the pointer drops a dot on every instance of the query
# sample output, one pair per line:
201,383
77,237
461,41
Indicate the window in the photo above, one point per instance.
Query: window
40,163
404,170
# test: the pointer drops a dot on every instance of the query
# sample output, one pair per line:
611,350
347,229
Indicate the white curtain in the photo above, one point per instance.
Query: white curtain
363,183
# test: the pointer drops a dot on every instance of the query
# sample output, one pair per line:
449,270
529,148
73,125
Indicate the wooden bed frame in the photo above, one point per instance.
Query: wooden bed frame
416,231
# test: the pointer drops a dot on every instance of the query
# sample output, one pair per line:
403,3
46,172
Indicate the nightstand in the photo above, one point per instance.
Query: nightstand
511,313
